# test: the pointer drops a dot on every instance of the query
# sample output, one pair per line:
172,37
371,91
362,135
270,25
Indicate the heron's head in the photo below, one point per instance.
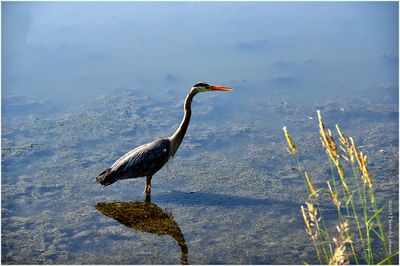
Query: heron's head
203,86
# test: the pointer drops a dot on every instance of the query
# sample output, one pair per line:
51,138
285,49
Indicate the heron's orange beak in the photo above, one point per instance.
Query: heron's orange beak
220,88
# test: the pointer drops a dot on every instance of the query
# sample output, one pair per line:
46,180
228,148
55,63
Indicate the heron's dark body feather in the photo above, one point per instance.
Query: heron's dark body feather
145,160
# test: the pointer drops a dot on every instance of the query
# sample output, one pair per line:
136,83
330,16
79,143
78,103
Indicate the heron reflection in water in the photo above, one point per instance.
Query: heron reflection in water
147,159
146,217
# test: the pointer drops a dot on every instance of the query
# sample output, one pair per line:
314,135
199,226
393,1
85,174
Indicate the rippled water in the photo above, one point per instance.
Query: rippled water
231,195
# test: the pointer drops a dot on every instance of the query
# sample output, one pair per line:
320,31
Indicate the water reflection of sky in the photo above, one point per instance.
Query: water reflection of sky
71,52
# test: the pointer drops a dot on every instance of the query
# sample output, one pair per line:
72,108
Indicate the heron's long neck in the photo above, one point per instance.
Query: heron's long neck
177,137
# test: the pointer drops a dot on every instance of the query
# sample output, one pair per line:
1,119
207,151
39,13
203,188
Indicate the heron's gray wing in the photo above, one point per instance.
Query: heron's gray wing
144,160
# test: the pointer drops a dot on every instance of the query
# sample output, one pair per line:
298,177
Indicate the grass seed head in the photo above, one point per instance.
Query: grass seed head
329,143
310,185
342,138
334,196
312,212
339,256
292,146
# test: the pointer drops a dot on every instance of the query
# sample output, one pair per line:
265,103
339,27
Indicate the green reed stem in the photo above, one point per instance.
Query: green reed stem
378,219
328,238
317,250
320,236
367,230
340,215
363,202
350,199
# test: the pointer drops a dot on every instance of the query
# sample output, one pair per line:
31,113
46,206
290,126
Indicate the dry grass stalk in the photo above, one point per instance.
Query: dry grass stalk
362,164
320,236
312,212
347,147
292,146
342,138
334,196
308,224
310,219
310,185
339,257
343,227
329,143
331,150
356,152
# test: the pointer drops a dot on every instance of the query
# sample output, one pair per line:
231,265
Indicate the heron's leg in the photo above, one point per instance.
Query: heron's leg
147,189
147,198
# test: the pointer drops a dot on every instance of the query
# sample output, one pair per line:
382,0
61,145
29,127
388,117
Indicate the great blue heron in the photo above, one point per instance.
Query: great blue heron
147,159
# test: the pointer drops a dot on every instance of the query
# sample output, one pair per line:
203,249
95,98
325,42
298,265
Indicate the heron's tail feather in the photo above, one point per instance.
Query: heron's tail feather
107,177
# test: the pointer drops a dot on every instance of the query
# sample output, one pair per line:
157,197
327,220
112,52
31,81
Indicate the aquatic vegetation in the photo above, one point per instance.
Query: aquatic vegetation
359,216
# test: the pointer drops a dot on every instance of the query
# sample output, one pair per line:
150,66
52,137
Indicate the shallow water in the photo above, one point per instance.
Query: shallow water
232,190
232,194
